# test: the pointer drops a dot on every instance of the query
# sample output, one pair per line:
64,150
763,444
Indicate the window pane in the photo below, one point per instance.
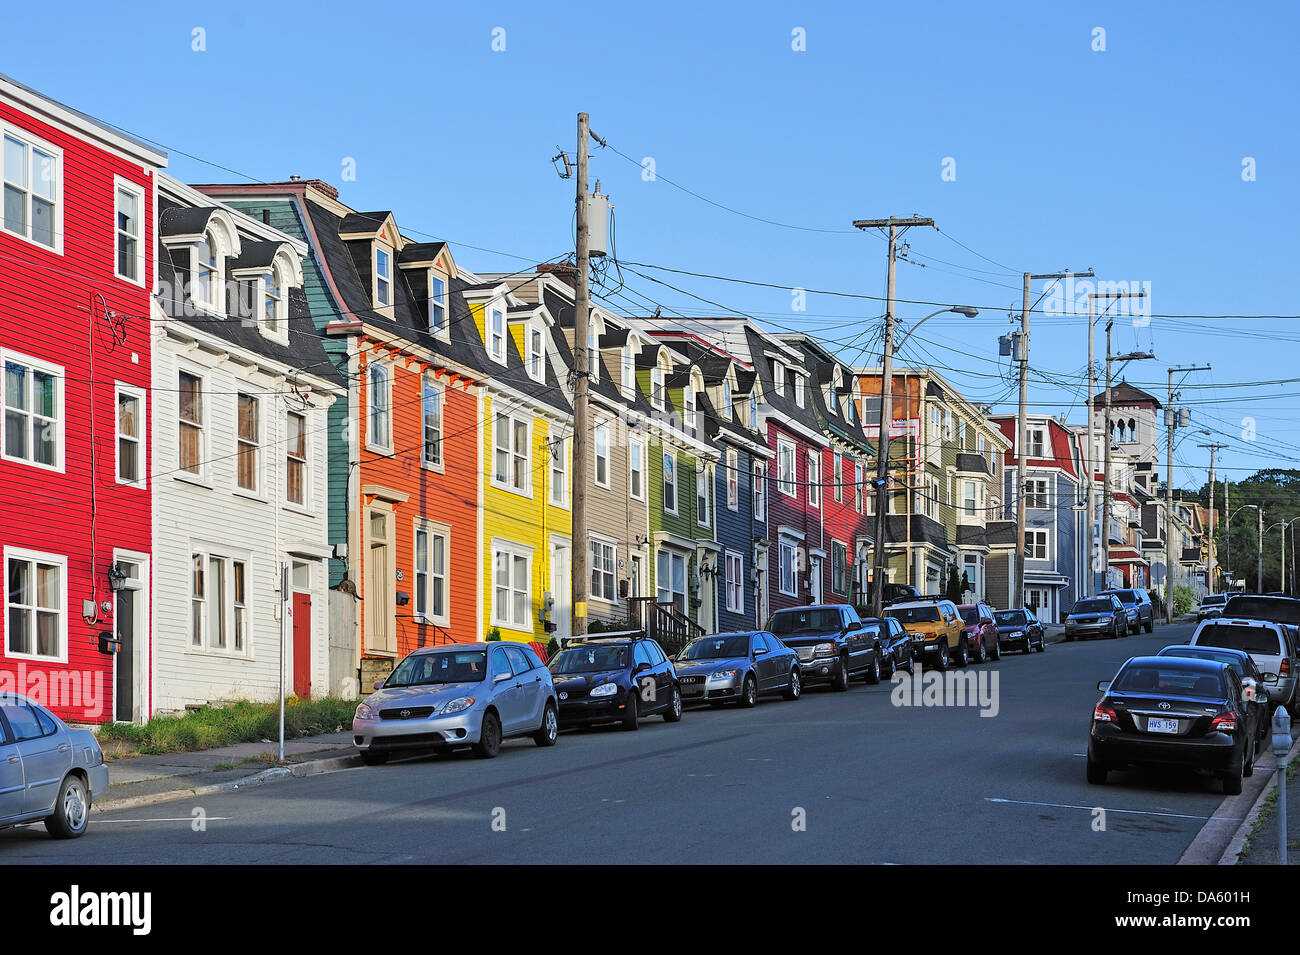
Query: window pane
20,636
216,624
44,171
47,587
20,582
15,168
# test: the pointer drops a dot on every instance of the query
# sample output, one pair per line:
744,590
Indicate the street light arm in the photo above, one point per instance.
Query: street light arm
959,309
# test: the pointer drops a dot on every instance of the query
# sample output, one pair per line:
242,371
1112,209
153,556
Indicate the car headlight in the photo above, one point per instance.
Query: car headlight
605,689
1106,617
824,650
458,705
365,712
722,675
1017,633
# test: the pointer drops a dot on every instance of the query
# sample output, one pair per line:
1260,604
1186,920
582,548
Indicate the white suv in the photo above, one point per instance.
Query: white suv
1269,645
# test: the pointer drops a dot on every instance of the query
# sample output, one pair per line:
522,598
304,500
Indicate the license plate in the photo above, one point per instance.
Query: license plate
1161,726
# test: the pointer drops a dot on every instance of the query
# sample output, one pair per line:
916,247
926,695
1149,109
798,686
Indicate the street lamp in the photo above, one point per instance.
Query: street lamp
1284,525
882,444
1259,567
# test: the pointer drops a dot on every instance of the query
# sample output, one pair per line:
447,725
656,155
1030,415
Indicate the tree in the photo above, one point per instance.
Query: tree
1277,491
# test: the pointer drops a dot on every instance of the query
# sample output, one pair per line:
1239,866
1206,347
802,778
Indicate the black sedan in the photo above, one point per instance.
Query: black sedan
897,649
737,667
615,680
1102,616
1020,629
1173,711
1252,681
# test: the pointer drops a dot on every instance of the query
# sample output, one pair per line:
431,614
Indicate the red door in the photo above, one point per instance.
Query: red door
302,645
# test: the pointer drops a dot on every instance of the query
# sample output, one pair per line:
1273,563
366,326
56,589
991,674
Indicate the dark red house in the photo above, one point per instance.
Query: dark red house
76,274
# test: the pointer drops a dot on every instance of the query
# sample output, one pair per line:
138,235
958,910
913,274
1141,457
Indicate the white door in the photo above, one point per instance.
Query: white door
561,590
815,579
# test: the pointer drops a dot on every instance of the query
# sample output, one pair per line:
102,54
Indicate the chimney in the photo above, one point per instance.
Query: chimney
566,272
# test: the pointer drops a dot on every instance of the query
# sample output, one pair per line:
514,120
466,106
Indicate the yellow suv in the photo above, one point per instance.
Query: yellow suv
936,629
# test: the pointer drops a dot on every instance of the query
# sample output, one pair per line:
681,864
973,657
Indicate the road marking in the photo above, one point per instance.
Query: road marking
169,819
1058,805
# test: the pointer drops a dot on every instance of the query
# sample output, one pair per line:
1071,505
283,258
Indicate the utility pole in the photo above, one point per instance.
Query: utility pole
1259,561
894,224
1227,531
579,579
1022,427
1171,424
1213,547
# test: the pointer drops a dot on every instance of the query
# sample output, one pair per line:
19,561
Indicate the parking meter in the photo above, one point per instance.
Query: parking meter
1281,732
1281,746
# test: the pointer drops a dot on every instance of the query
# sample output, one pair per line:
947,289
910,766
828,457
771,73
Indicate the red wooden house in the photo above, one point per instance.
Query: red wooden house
76,273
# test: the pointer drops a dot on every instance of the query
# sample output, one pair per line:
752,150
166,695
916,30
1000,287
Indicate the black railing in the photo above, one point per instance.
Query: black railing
667,625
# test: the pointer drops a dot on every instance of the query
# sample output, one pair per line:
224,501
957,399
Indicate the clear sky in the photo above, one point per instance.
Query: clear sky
1031,147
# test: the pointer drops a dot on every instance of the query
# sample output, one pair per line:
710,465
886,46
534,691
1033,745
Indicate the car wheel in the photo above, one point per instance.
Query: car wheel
887,671
674,711
1096,772
982,655
873,672
963,656
748,692
632,711
841,681
996,652
372,758
911,663
1151,625
942,663
1042,643
489,737
71,810
1249,768
1232,778
549,731
793,691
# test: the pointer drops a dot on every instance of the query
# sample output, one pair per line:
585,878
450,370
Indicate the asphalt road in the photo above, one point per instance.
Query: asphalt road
870,781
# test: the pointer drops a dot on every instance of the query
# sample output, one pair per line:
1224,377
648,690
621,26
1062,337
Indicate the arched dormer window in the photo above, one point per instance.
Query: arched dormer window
206,270
727,412
658,375
628,366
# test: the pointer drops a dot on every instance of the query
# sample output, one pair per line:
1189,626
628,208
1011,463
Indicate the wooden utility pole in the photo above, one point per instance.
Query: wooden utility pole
1171,422
886,406
1213,546
1105,478
579,578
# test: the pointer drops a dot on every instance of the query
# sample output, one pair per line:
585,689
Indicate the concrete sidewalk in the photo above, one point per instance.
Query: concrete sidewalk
141,780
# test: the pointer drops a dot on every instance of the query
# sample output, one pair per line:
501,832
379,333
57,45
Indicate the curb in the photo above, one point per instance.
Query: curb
1232,854
310,768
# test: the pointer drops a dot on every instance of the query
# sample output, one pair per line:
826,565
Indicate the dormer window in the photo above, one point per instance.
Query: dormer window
497,334
657,375
753,408
798,391
778,377
207,273
273,301
383,278
727,412
629,370
536,354
831,399
437,304
593,352
689,405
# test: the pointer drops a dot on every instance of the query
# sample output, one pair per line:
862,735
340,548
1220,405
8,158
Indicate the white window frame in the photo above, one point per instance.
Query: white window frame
121,185
689,413
814,466
31,364
627,373
201,472
636,460
704,496
1035,436
495,326
513,552
727,412
608,570
734,581
670,467
559,450
34,557
230,610
1037,535
430,387
432,583
273,289
787,451
837,475
141,437
841,583
760,491
859,491
304,461
31,142
215,304
800,386
969,499
733,480
512,456
1036,494
536,360
593,352
658,385
373,409
382,282
255,443
778,377
439,329
600,436
788,547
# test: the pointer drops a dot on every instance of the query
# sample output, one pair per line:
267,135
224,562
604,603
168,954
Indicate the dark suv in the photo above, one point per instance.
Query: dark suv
1137,603
833,644
615,680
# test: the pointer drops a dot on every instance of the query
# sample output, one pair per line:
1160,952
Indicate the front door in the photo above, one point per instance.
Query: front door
561,590
815,579
302,645
379,587
129,628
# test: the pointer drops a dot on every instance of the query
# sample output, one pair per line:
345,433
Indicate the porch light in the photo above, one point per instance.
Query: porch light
116,577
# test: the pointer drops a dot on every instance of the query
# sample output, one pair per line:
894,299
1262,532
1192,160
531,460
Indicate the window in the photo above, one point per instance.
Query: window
760,475
536,355
379,433
130,436
778,377
218,603
593,352
191,423
657,386
510,460
32,183
248,443
239,603
670,579
727,413
628,371
689,402
1036,494
129,237
511,572
497,335
670,482
1036,438
799,385
1036,545
785,471
702,496
839,567
814,479
430,574
838,476
787,568
735,582
33,406
274,304
969,501
858,489
295,459
437,305
753,409
602,570
560,472
431,413
383,278
636,469
602,455
733,479
36,623
205,286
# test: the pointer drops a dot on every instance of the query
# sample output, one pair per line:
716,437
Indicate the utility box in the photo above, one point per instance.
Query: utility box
597,224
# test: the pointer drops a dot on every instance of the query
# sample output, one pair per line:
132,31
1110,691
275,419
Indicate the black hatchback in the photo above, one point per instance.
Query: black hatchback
615,680
1173,711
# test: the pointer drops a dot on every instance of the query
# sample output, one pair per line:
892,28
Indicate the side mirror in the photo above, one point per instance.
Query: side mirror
640,668
379,684
1270,677
500,677
1104,686
759,652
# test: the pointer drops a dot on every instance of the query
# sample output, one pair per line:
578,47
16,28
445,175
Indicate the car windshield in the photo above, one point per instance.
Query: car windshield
1206,654
972,615
715,648
592,658
1210,600
1126,596
789,622
1167,680
453,666
1093,606
1012,617
915,614
1276,609
1236,636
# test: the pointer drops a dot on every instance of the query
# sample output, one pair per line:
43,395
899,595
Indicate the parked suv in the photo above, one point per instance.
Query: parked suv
937,630
1099,616
1020,629
1211,606
1137,603
832,643
1269,644
981,631
1263,607
615,680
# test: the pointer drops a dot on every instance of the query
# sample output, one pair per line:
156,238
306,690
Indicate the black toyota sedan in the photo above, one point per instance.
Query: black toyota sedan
615,680
737,667
1020,629
1173,711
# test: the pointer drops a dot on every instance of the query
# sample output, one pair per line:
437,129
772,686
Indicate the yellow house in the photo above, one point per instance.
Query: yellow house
525,427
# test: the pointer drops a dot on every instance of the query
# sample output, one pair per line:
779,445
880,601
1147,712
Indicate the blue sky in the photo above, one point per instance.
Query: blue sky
1127,160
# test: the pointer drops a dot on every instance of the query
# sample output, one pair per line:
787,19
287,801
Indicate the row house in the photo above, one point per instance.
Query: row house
404,442
1055,557
1135,534
241,389
76,536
